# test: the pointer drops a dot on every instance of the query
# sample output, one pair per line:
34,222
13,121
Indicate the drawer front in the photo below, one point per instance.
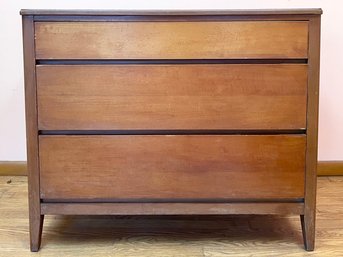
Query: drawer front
171,40
111,97
134,168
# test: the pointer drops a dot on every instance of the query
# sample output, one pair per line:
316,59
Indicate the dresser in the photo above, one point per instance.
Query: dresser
171,113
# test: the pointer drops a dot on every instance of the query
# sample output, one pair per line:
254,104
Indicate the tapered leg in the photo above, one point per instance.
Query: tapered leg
309,216
35,217
308,229
36,226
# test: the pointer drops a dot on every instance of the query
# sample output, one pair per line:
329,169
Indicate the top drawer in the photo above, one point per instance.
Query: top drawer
171,40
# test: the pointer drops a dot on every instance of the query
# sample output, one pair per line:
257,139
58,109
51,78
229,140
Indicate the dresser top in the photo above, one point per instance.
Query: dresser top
313,11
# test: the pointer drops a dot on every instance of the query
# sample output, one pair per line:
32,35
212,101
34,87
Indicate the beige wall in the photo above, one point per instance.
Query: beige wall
12,126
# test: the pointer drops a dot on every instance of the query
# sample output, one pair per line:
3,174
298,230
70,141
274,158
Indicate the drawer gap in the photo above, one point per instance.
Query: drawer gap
172,132
174,200
168,61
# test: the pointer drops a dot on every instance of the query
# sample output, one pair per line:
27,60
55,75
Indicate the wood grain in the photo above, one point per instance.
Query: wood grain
216,96
156,236
137,168
171,40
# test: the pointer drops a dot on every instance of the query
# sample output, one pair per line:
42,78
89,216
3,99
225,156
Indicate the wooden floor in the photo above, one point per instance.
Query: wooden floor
170,236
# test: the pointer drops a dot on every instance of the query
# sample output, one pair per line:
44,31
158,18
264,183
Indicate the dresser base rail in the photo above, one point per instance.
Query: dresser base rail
170,208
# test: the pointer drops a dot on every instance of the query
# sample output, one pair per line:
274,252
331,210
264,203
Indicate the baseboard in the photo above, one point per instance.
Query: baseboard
13,168
330,168
18,168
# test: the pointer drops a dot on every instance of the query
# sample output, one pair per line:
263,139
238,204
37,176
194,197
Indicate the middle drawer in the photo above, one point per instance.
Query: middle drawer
201,96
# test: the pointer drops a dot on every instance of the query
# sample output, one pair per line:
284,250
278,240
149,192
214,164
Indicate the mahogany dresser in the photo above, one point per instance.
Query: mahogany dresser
171,112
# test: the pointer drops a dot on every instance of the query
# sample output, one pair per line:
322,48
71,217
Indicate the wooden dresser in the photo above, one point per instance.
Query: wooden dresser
164,112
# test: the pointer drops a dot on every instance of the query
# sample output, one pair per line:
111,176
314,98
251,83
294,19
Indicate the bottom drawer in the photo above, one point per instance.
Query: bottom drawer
172,168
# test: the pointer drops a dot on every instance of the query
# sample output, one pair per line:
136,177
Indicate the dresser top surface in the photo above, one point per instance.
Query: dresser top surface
233,12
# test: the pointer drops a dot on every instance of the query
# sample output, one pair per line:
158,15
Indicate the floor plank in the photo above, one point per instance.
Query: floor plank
164,236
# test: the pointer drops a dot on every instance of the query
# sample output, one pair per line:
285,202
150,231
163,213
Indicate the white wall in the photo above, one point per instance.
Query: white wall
12,126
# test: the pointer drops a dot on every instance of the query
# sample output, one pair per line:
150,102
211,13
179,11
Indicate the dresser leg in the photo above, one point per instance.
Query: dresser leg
308,230
36,226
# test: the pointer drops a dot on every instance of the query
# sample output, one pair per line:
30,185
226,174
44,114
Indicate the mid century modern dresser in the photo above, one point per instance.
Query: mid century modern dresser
172,112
